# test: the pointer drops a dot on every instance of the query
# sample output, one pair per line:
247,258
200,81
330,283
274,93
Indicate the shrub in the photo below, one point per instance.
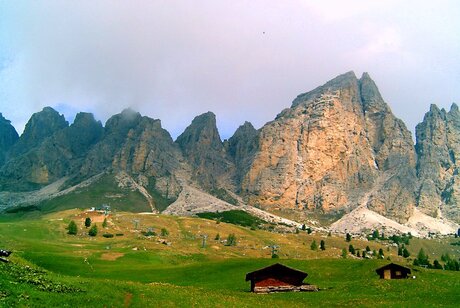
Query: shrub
344,253
314,246
93,231
164,232
72,228
104,223
217,237
231,240
107,235
119,234
275,256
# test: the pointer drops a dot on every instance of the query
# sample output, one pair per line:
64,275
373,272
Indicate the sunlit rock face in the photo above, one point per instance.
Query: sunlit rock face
331,149
438,150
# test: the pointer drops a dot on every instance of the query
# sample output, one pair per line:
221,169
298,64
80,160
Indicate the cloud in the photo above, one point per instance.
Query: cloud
243,60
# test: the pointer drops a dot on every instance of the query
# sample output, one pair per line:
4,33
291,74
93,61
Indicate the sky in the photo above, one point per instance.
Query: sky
243,60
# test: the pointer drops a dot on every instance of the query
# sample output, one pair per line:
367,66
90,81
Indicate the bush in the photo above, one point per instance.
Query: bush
314,246
344,253
104,223
107,235
164,232
231,240
119,234
275,256
217,237
93,231
72,228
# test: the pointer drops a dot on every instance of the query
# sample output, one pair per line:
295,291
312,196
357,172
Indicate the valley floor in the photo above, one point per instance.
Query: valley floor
51,268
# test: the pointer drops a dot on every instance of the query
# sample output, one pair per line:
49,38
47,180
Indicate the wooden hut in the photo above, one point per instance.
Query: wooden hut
393,271
278,278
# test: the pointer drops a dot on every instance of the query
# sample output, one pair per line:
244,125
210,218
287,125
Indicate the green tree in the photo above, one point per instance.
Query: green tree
381,253
309,230
358,254
375,234
304,227
164,232
93,230
344,253
87,222
400,251
72,228
405,253
364,254
436,265
368,248
422,258
348,237
314,246
351,249
104,223
231,240
322,245
217,237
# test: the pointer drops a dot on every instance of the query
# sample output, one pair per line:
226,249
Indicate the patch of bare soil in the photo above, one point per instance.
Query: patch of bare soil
111,256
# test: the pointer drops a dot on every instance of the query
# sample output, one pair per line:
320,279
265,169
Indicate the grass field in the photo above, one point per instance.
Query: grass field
174,270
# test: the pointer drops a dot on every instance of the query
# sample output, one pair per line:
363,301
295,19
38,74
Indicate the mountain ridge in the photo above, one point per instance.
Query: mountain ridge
325,154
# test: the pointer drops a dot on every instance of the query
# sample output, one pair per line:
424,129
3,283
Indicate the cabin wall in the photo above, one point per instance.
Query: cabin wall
271,282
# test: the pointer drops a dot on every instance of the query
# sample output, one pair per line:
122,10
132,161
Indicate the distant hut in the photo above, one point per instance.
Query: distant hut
278,278
393,271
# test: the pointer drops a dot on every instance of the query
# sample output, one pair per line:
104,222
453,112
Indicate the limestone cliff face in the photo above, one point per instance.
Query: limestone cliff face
326,152
241,148
8,137
202,147
438,149
59,155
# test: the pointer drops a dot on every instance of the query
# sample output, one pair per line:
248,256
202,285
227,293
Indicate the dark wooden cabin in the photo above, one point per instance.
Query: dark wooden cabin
278,278
393,271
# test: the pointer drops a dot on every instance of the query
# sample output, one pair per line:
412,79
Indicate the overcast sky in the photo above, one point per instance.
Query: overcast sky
243,60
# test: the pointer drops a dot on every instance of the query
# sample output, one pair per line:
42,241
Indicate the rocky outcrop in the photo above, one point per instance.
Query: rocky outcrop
202,147
140,147
59,155
41,125
241,147
325,152
438,150
8,137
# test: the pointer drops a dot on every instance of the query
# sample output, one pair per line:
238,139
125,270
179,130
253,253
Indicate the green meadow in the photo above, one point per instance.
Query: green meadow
51,268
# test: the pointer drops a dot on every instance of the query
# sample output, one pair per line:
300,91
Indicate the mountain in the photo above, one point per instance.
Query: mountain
204,150
8,137
329,151
59,154
438,150
338,152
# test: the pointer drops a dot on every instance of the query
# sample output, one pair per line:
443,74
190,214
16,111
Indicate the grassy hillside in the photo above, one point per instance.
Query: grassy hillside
132,270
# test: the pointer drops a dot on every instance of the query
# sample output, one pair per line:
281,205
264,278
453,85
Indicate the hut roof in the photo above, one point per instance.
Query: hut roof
276,270
393,266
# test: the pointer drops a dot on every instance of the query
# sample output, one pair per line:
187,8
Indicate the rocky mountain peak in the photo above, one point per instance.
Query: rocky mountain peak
370,95
41,125
201,133
204,150
341,82
8,137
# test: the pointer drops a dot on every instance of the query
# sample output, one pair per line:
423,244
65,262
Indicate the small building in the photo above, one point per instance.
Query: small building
393,271
278,278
